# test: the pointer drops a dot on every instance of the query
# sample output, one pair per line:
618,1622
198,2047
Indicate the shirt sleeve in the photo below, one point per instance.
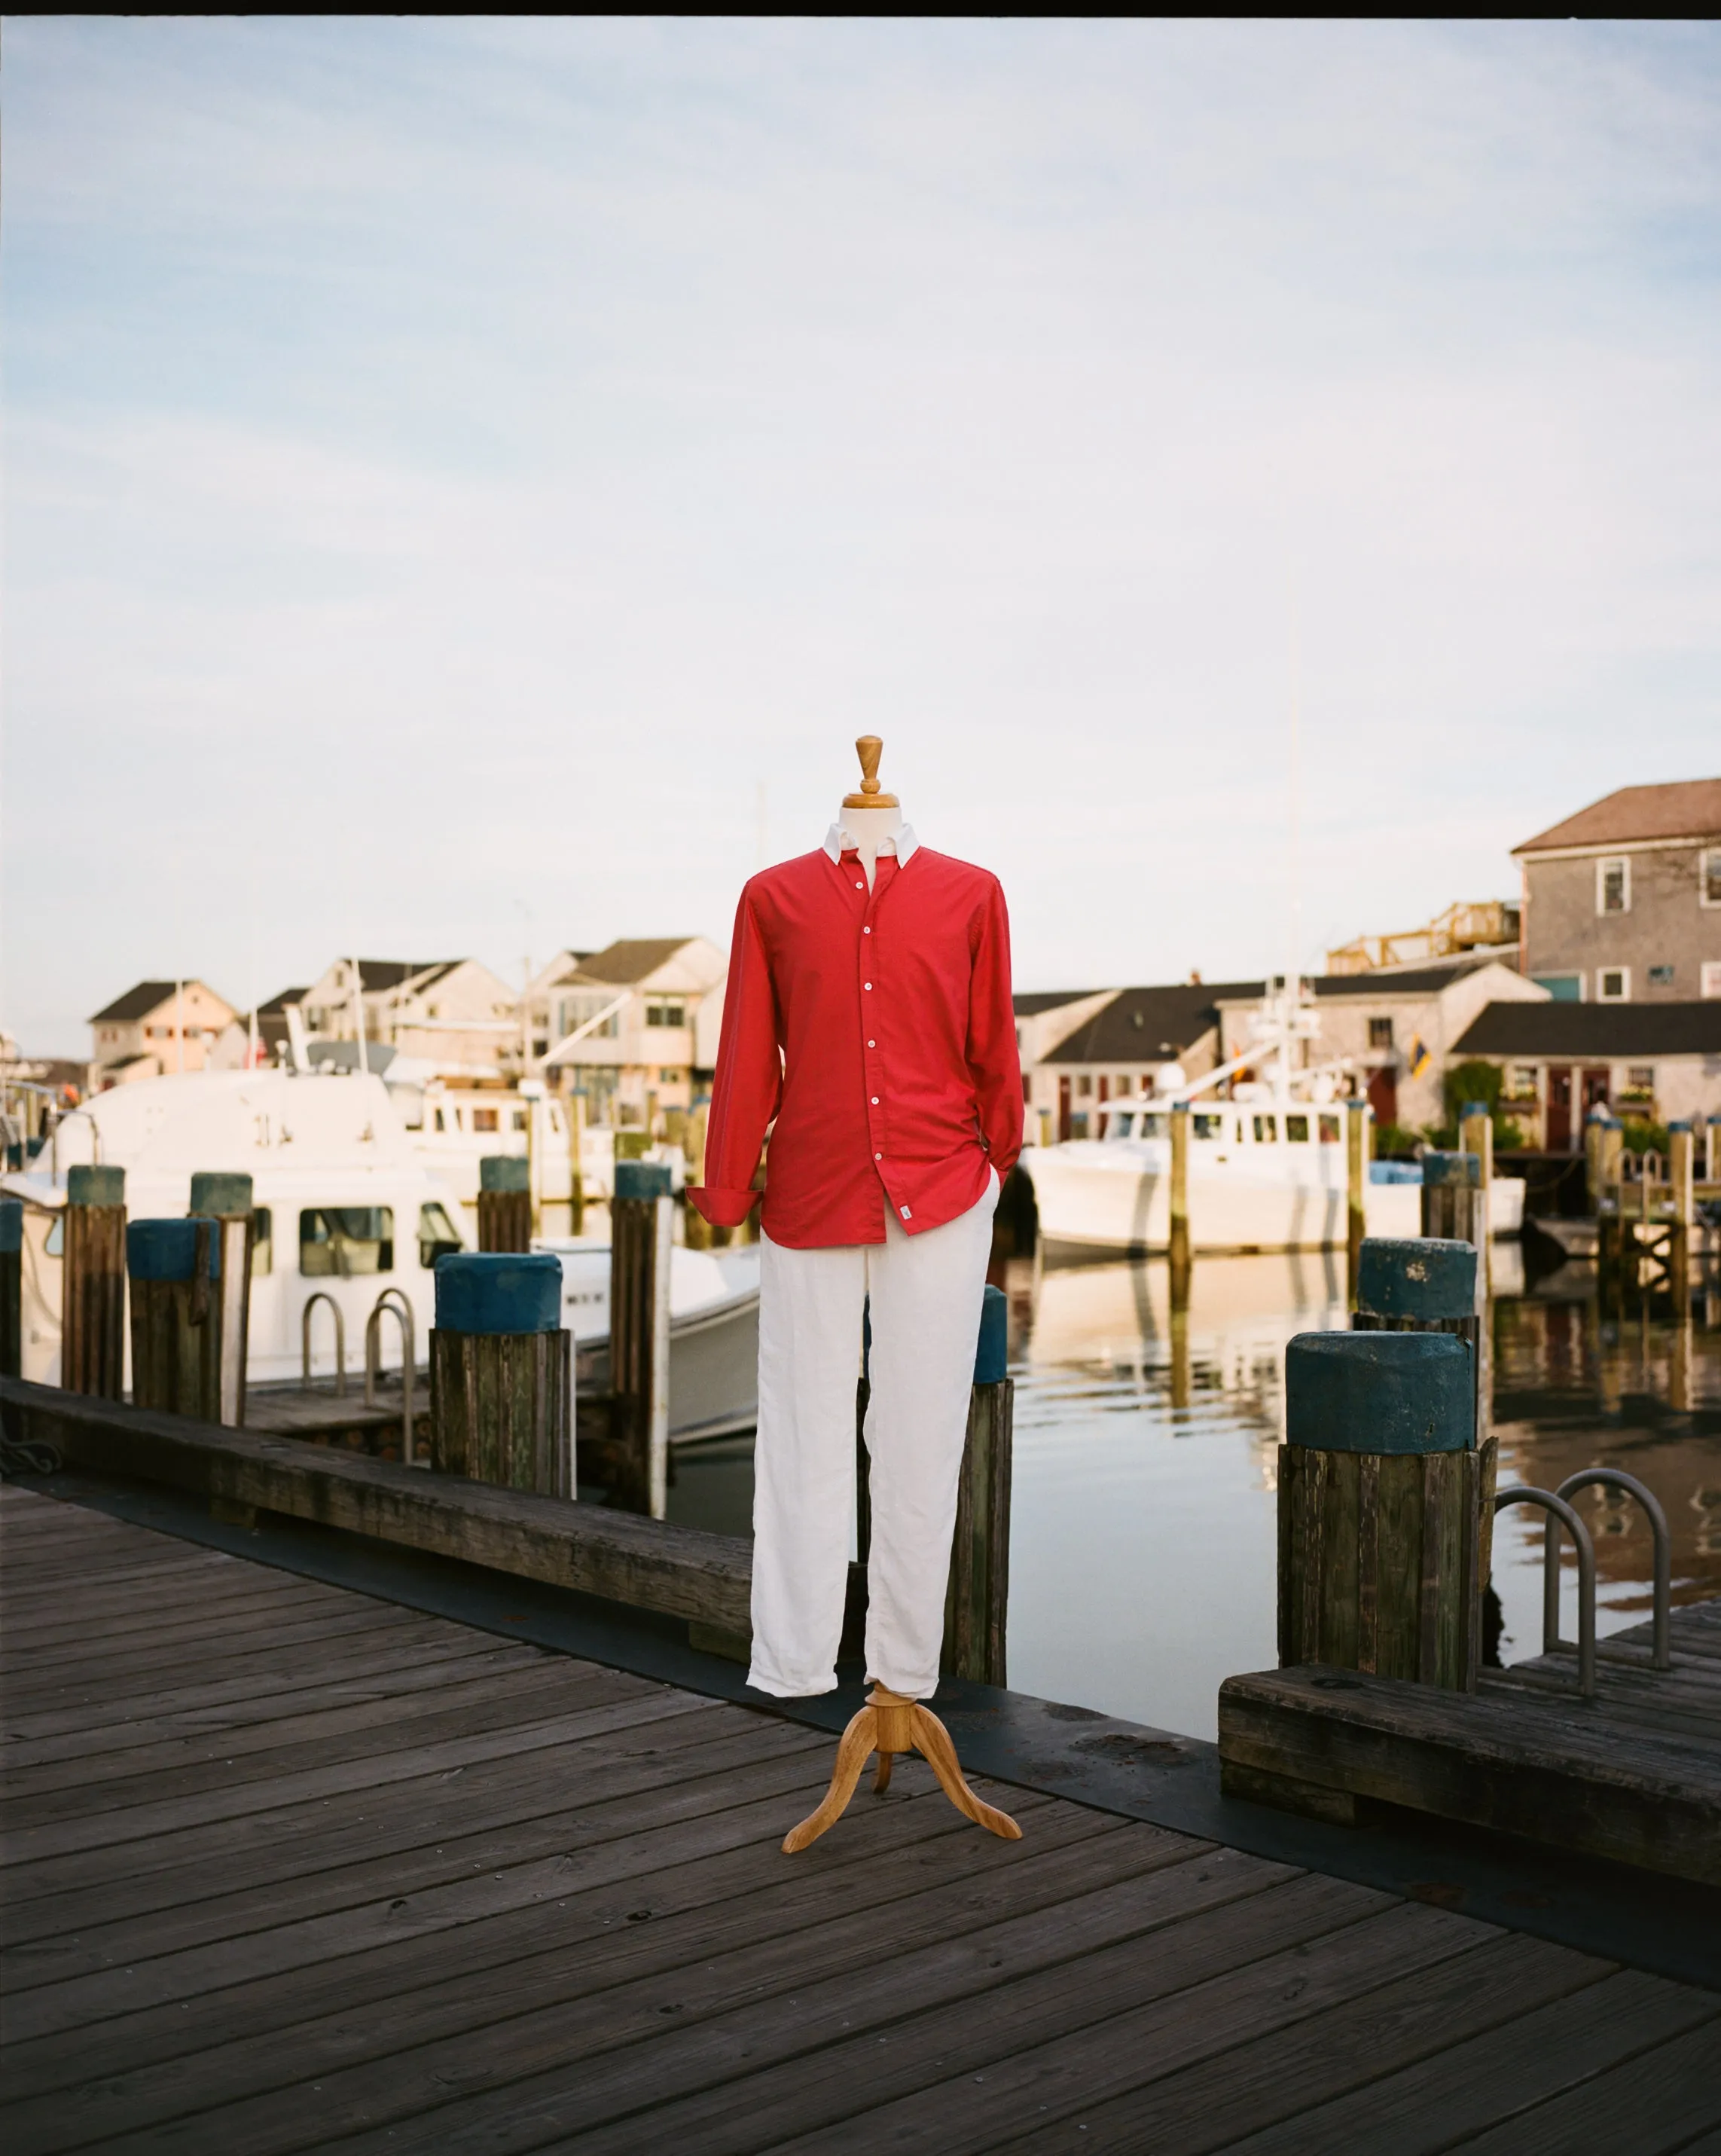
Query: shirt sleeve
749,1081
993,1059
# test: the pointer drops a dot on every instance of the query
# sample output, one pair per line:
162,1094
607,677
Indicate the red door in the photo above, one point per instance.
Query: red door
1557,1136
1383,1096
1063,1108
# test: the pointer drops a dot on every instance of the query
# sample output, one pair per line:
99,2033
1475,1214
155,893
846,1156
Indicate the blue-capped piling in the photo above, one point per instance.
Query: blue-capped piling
501,1372
12,1282
1379,1506
175,1269
225,1196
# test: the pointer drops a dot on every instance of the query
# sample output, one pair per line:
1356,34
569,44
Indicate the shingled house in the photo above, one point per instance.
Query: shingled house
158,1028
635,1026
1622,901
1559,1059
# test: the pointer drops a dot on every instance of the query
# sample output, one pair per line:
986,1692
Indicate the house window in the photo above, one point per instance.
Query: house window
337,1241
579,1010
1563,988
485,1119
1613,886
520,1119
1521,1082
665,1010
1084,1085
668,1077
1640,1082
1126,1084
1660,977
1613,984
1379,1032
1711,977
1709,876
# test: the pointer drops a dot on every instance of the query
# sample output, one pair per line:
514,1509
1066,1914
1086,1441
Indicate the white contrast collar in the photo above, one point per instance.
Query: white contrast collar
905,845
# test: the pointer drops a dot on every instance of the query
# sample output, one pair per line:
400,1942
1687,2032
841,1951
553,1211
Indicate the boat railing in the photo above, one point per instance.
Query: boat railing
322,1295
392,1301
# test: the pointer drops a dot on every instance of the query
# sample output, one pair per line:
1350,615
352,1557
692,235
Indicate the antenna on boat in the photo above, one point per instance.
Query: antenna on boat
1294,972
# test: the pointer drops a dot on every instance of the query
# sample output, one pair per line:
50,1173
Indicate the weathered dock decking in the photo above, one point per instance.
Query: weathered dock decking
289,1867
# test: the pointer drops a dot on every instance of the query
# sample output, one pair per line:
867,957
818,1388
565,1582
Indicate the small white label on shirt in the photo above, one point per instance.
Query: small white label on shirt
906,1214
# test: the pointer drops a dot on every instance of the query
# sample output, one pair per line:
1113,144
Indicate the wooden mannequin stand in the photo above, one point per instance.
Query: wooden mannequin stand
889,1723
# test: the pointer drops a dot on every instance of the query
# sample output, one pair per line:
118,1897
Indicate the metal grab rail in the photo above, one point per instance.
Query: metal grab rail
1560,1514
392,1302
322,1295
1614,1478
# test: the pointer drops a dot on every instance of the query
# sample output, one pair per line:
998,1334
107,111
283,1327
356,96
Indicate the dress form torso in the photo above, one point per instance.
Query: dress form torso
874,831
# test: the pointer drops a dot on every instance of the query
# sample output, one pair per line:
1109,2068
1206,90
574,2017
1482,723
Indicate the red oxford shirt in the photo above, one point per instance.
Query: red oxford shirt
877,1028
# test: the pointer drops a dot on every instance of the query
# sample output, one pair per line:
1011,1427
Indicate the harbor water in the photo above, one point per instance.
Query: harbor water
1143,1555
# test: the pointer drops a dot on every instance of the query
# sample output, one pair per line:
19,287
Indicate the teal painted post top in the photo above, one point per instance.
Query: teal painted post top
11,1225
642,1178
1379,1391
501,1170
216,1193
499,1291
168,1249
1461,1169
1471,1108
1417,1277
95,1186
1679,1123
992,1354
1602,1114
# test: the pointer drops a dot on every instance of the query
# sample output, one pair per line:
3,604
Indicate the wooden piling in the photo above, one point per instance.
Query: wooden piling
1379,1507
1682,1181
12,1282
1476,1135
505,1204
502,1373
93,1283
1358,1126
175,1268
225,1198
642,1216
1178,1241
977,1597
574,1108
1423,1285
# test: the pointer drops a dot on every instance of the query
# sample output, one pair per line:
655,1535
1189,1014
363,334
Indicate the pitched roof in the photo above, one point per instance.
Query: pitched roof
1691,808
1144,1025
1605,1029
631,961
139,1002
1031,1004
276,1006
378,973
1411,980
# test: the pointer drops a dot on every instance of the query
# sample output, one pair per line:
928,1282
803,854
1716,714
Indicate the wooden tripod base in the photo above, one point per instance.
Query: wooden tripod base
888,1723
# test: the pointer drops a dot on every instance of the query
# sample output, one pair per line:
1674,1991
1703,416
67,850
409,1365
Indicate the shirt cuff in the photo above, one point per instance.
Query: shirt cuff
722,1208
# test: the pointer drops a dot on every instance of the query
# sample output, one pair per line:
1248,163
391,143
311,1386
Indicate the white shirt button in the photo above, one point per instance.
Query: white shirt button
860,886
875,1099
866,985
866,932
878,1156
872,1043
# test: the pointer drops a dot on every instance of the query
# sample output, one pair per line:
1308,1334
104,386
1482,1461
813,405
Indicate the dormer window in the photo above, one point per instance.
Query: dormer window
1613,886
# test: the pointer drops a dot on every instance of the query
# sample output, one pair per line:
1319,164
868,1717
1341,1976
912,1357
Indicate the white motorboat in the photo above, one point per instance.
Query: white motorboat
1267,1166
346,1210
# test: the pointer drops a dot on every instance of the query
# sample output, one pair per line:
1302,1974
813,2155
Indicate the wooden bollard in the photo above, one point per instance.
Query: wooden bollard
504,1203
1426,1286
1358,1126
12,1288
175,1317
1476,1135
92,1356
977,1599
226,1199
1682,1179
502,1372
1379,1507
1177,1241
1454,1203
641,1222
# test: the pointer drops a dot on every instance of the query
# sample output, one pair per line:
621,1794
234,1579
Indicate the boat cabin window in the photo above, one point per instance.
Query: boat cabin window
438,1236
1152,1126
1209,1127
485,1119
336,1241
1329,1129
441,1122
1123,1126
1267,1130
262,1241
520,1119
1297,1130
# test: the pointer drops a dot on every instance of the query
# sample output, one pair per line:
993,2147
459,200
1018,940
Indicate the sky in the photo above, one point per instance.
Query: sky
468,483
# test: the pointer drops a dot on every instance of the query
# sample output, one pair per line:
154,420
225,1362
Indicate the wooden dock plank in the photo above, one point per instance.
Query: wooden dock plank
390,1884
1532,2053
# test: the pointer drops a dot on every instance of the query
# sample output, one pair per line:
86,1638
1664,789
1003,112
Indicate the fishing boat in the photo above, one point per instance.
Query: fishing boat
1267,1165
346,1212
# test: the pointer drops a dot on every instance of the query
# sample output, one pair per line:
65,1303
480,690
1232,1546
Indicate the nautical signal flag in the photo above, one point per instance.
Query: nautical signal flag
1420,1057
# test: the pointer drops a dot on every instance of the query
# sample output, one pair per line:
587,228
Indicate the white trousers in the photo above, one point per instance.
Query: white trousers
926,1292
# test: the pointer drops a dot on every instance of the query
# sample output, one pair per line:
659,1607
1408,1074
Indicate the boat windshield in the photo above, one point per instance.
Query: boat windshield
1210,1128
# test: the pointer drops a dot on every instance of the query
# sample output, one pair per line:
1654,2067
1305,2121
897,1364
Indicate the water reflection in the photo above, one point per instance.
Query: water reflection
1143,1553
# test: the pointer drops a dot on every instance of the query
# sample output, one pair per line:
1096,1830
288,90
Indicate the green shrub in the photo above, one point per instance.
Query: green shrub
1644,1137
